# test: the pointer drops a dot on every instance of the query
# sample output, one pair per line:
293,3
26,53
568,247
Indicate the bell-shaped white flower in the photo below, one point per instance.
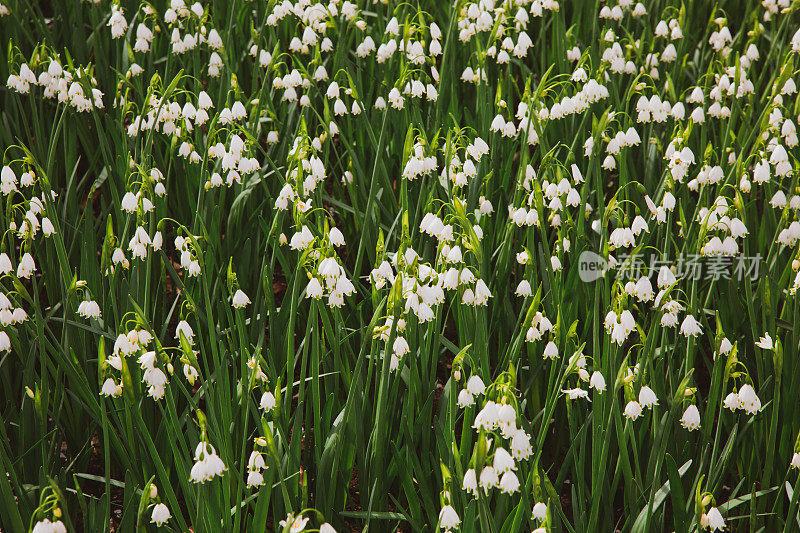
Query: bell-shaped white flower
240,299
160,515
633,410
448,518
647,398
691,418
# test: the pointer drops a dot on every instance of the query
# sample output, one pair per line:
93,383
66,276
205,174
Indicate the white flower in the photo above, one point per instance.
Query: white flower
208,464
597,381
765,342
256,461
214,40
795,463
691,418
46,526
576,393
47,227
732,401
129,202
690,327
503,462
539,511
489,478
124,346
633,410
5,264
186,329
644,289
749,400
482,293
110,388
488,418
448,518
302,239
523,289
470,482
713,520
268,401
160,515
465,398
314,289
475,385
117,22
521,445
240,299
336,237
296,524
400,347
254,478
647,398
551,350
191,373
89,309
509,483
725,346
26,267
156,380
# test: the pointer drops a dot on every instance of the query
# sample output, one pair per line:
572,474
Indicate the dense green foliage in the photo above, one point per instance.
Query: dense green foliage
331,259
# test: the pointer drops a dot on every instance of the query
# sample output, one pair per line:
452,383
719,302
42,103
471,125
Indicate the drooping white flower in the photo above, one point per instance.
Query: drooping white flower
765,342
633,410
268,402
713,520
523,289
470,482
647,398
690,327
336,237
748,399
160,515
551,350
46,526
26,266
400,346
597,382
296,523
110,388
448,518
89,309
465,398
795,463
475,385
207,464
539,511
732,401
488,478
691,418
487,418
5,264
576,393
254,478
240,299
509,483
503,462
521,445
186,329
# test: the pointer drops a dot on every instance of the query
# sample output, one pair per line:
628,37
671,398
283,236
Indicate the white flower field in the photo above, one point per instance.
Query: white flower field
378,265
